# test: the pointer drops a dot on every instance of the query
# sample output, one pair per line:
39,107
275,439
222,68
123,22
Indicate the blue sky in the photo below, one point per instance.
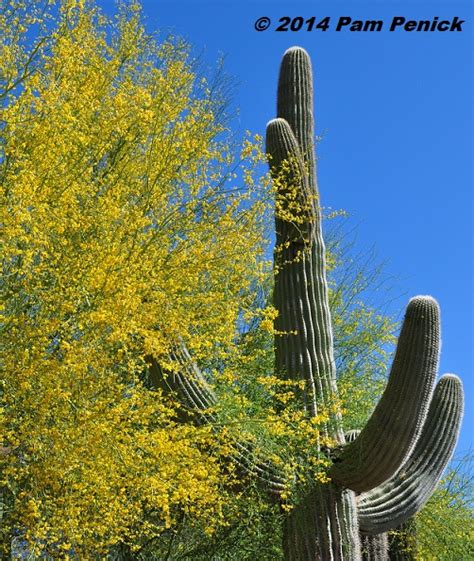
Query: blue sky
395,113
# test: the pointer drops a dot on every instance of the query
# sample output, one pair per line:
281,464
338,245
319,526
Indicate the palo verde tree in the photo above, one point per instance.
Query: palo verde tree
122,226
384,474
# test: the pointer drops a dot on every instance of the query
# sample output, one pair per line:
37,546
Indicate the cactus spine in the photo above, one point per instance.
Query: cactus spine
383,475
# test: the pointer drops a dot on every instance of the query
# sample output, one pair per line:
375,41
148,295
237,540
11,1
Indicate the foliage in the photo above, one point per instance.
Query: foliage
121,229
445,528
359,291
252,530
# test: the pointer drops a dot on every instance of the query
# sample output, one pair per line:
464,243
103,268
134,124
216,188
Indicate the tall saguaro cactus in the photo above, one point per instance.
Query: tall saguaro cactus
385,473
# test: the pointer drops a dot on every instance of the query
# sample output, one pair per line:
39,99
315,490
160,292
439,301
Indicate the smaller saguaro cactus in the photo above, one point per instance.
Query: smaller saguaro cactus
383,474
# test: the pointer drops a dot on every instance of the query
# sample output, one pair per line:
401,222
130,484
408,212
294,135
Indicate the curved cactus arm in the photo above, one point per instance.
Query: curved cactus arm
304,347
198,399
393,502
392,430
187,382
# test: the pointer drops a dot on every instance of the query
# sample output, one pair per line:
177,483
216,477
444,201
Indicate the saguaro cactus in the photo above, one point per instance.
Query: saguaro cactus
385,473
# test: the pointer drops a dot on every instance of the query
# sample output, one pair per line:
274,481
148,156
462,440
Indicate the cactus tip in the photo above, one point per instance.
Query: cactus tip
450,378
295,49
419,306
276,123
423,300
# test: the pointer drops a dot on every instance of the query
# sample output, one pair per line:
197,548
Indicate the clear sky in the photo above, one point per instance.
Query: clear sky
395,112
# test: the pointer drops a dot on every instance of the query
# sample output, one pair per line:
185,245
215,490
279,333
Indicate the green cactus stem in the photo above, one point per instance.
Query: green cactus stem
375,548
322,527
304,350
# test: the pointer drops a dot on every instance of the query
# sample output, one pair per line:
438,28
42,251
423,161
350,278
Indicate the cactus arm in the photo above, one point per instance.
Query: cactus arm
392,430
351,435
305,348
187,382
283,148
392,503
293,301
198,399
